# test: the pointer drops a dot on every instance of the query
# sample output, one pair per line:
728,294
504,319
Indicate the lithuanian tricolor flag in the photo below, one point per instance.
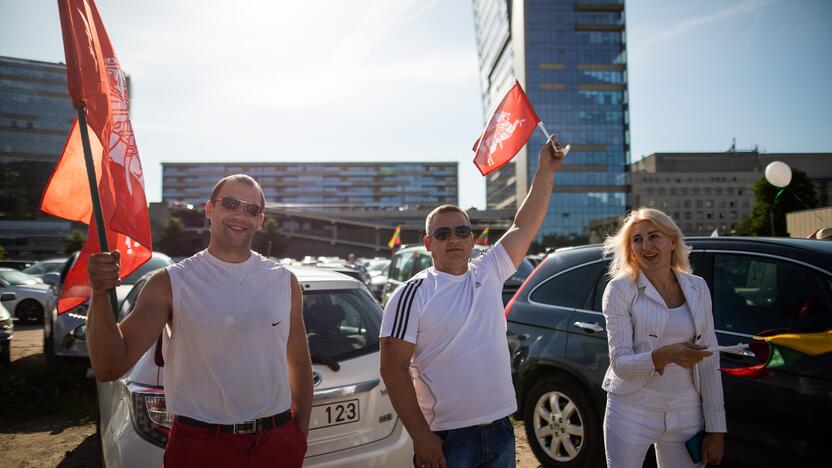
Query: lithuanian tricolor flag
783,349
396,239
483,238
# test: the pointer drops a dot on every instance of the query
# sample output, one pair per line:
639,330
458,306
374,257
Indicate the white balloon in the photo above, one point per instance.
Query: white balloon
778,174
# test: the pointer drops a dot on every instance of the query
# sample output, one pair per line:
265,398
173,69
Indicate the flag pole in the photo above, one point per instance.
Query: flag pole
98,213
549,137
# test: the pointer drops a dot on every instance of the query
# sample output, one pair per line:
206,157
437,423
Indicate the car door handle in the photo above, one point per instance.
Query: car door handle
589,327
738,355
743,353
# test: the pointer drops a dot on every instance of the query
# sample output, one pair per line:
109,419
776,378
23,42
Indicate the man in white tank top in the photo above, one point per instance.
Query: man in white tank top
238,377
444,354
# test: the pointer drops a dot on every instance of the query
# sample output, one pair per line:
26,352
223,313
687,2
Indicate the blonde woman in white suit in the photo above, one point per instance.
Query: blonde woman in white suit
662,388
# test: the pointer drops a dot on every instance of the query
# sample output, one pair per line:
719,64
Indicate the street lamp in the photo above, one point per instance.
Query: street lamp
778,174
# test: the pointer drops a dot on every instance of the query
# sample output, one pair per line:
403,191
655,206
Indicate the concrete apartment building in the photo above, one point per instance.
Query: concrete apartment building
332,185
704,192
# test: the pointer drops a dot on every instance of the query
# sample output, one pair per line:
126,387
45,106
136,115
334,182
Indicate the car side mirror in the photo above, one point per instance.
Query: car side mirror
10,296
52,278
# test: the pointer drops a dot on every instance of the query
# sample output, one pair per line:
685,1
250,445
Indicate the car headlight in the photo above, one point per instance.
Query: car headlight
4,315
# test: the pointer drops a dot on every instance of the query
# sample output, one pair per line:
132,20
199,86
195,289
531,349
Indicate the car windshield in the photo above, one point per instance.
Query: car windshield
155,263
341,323
18,278
41,268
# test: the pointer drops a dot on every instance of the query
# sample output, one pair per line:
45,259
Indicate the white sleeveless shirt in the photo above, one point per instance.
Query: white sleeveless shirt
225,355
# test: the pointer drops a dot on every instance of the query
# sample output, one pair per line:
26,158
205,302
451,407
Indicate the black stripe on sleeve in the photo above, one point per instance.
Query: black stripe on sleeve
407,308
399,308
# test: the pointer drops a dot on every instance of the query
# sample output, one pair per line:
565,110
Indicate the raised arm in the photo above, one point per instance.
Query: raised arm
297,358
530,216
115,347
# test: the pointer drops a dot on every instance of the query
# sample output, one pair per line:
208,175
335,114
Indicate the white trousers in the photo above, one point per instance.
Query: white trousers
634,422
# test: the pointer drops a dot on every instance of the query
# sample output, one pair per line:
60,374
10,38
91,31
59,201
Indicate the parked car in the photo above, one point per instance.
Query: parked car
6,329
45,266
516,280
377,283
16,264
558,345
353,423
30,292
343,269
412,259
377,266
65,335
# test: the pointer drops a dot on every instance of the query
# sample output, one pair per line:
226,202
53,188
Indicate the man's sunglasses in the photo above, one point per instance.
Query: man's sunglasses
463,231
232,204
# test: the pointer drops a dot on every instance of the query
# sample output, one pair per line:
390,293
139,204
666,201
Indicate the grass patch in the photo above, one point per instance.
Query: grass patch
32,389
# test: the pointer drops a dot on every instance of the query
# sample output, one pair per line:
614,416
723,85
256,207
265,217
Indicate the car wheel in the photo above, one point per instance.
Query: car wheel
29,311
561,424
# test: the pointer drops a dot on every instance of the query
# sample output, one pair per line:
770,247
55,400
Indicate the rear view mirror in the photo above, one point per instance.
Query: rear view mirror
52,278
9,296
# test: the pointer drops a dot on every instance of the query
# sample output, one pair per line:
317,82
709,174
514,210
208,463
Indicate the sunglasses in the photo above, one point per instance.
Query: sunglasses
232,204
463,231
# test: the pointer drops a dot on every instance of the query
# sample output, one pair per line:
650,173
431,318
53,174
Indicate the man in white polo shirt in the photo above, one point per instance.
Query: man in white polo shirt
444,355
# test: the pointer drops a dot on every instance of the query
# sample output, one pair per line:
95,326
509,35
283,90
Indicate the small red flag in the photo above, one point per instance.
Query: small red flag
95,77
511,125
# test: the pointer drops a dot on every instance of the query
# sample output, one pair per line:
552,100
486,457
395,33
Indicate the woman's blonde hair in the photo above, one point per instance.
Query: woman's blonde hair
619,246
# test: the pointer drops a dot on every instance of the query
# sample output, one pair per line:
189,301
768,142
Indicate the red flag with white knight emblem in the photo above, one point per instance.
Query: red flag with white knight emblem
95,78
511,125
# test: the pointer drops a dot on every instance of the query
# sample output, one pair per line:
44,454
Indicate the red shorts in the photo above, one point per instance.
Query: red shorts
281,446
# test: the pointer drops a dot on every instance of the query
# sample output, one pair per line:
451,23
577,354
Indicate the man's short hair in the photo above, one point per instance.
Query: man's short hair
239,178
444,209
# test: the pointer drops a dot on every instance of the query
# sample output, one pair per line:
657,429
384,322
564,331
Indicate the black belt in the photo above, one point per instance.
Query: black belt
248,427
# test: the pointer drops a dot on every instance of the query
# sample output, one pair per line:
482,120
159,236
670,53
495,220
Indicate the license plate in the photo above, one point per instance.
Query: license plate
334,414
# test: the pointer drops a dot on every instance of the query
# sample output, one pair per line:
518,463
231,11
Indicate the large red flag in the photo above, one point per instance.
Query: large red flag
511,125
95,78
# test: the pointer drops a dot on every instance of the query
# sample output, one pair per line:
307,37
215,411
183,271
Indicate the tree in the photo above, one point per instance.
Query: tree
2,252
269,241
798,195
174,241
74,242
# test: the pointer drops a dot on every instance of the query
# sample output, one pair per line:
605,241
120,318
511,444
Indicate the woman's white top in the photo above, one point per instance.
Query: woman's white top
675,379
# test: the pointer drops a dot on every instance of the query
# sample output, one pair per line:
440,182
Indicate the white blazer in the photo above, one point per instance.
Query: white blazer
636,318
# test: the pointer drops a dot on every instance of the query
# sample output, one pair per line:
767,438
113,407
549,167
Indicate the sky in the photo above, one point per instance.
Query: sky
382,80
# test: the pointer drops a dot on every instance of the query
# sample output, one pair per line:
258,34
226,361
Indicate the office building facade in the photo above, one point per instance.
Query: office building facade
35,117
410,185
570,57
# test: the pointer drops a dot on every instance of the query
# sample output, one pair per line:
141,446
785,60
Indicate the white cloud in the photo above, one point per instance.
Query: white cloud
682,27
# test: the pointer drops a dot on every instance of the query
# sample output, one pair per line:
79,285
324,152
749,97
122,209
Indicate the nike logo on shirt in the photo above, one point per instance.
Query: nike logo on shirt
274,324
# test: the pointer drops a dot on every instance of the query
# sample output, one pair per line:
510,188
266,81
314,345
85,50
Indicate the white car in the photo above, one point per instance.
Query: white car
30,291
353,423
45,266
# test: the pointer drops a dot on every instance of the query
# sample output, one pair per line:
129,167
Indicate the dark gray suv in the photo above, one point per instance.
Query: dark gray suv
558,346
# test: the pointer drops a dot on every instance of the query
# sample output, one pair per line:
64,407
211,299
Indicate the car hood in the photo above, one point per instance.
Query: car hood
31,288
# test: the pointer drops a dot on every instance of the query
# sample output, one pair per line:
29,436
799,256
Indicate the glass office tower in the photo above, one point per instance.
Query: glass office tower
570,57
35,117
